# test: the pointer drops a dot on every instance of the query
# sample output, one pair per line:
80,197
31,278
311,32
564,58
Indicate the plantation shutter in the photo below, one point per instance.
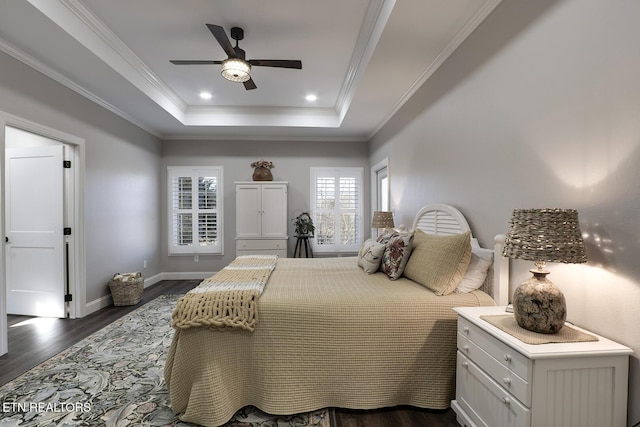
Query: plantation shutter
195,210
336,200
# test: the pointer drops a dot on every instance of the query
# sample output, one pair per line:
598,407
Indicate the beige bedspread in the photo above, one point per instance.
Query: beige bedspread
328,335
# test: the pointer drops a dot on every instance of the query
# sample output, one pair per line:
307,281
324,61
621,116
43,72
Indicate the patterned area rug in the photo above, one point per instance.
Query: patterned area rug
115,378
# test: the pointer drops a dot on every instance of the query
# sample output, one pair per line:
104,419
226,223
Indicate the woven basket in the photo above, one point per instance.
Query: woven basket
127,288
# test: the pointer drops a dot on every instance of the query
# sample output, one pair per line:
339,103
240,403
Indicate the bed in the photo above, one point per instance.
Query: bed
330,335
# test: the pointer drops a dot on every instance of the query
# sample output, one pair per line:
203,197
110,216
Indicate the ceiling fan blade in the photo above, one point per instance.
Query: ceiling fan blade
249,84
193,62
281,63
220,35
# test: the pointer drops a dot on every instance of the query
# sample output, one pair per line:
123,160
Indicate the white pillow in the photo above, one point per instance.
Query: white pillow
476,274
370,255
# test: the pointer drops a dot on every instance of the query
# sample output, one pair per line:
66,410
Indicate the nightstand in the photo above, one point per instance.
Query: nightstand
501,381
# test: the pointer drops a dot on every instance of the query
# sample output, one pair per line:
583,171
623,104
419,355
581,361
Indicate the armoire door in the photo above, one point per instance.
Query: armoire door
274,210
248,207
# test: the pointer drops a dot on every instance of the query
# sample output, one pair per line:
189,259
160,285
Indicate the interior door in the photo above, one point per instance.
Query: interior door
34,228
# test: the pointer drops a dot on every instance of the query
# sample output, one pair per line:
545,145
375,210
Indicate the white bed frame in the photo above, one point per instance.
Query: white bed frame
444,220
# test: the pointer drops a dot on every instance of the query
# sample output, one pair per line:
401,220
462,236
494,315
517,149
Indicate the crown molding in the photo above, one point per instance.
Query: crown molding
84,26
265,138
39,66
261,116
375,20
464,32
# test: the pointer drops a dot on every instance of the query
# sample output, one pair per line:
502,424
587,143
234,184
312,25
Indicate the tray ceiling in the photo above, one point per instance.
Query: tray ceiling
362,59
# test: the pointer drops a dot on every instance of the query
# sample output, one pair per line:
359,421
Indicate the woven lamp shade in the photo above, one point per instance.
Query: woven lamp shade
543,235
550,235
382,219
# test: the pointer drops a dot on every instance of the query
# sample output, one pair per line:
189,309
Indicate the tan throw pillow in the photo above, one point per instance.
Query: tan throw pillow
439,262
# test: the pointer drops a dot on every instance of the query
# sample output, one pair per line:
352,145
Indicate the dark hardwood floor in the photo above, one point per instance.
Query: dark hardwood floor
396,417
33,340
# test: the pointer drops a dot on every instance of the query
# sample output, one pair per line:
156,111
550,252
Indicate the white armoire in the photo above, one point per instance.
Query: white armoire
261,218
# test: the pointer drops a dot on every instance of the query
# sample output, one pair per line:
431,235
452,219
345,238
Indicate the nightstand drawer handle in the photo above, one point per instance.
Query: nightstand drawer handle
465,329
507,358
506,380
506,400
465,364
465,348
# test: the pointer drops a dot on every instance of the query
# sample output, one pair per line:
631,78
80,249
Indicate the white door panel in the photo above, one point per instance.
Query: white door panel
274,211
248,206
34,227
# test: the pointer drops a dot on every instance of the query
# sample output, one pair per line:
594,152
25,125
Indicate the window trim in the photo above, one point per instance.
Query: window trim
195,172
358,173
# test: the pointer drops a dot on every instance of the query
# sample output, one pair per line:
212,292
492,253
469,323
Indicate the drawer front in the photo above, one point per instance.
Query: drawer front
485,401
501,352
264,244
495,369
280,253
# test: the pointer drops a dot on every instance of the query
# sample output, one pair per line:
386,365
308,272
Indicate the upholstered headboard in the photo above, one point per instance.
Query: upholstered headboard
443,220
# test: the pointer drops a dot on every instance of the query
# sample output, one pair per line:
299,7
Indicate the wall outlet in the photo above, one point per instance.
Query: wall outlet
144,264
196,258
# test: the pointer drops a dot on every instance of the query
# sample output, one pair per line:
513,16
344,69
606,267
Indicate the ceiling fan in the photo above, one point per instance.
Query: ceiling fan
236,68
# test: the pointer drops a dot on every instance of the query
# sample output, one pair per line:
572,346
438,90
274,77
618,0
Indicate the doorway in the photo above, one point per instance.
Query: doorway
68,151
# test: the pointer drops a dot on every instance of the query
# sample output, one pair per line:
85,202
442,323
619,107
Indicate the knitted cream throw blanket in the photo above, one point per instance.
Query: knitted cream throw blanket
228,298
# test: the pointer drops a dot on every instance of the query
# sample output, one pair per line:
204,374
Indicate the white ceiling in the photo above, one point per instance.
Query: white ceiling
362,58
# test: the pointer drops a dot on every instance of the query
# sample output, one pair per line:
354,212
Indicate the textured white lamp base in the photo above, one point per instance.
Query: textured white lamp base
538,305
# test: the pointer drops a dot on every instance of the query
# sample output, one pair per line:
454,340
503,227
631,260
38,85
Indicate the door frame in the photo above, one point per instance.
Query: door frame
75,206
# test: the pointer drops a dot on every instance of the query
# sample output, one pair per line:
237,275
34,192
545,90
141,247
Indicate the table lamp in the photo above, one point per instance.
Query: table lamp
543,235
382,219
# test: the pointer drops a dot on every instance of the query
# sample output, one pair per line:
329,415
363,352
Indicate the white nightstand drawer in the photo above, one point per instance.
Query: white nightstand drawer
507,356
495,369
484,401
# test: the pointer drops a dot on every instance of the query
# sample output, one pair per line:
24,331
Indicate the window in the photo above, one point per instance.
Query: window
336,207
195,210
380,186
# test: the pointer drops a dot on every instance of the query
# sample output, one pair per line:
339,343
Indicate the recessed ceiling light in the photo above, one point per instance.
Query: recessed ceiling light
311,97
205,95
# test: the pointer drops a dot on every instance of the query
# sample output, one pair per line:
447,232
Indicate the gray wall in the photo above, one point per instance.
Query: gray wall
122,179
540,107
292,160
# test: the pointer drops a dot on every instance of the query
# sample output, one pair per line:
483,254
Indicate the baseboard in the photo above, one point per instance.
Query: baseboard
153,280
106,300
97,304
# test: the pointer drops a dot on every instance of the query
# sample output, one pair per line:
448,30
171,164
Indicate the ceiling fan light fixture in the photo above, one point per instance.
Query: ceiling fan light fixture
236,70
